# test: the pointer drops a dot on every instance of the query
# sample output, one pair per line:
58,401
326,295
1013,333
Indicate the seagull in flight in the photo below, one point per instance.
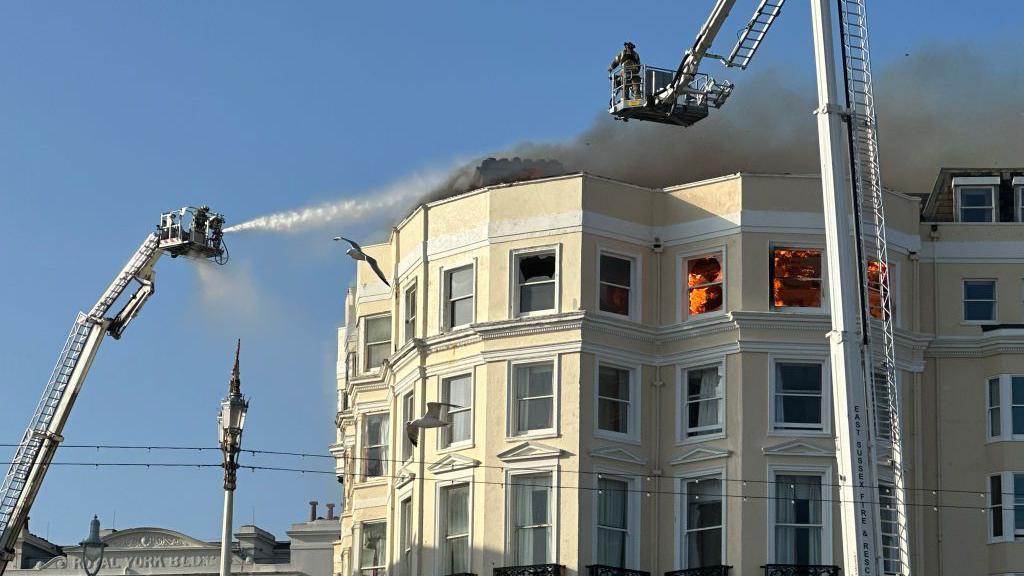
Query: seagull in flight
432,419
356,252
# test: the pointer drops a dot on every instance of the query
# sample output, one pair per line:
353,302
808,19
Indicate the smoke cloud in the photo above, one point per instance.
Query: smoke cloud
940,106
388,201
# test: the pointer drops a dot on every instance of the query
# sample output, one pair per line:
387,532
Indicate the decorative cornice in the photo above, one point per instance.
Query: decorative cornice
1005,341
798,448
700,454
618,454
451,463
529,451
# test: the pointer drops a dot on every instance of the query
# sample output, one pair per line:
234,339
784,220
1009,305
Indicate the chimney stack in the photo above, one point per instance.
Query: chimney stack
312,510
330,511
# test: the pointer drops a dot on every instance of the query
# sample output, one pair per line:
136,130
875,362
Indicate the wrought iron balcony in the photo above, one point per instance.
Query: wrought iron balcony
534,570
800,570
602,570
702,571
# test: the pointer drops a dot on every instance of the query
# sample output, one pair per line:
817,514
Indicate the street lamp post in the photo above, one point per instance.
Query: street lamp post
230,420
92,549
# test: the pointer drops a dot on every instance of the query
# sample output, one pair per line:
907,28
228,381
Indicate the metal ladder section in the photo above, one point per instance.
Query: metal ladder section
753,33
27,456
871,213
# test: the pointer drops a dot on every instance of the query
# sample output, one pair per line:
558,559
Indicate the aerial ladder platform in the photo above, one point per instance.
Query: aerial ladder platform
866,397
189,232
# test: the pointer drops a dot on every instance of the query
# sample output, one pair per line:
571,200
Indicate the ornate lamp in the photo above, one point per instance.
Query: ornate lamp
230,423
92,549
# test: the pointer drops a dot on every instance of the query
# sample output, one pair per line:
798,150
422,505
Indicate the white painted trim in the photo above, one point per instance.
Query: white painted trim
1018,181
513,277
993,190
461,445
441,517
633,517
556,401
618,454
682,396
718,472
554,512
826,395
700,454
975,180
634,414
825,472
682,283
636,286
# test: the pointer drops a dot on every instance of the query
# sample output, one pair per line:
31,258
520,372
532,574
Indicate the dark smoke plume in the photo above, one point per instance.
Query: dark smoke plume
942,106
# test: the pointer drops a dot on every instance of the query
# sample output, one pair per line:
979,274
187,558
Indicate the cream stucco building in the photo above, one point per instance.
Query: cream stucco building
640,381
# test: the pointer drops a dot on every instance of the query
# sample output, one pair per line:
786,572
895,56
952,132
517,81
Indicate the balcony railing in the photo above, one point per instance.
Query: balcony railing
702,571
533,570
602,570
800,570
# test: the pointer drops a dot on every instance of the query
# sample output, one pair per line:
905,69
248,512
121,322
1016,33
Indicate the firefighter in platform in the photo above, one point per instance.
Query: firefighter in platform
628,76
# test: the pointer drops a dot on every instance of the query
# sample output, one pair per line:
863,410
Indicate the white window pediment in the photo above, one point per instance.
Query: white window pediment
403,477
701,454
451,463
529,451
799,448
619,454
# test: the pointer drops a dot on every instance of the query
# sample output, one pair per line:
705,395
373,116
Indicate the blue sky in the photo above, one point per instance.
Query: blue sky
114,112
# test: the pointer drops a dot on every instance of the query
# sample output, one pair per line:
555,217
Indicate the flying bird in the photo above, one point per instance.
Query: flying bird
432,419
356,252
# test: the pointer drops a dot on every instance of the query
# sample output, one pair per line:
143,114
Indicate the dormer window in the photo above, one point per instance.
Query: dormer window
976,198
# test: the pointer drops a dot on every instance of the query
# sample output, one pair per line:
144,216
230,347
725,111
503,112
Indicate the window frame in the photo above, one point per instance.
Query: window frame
964,300
514,300
446,303
633,512
826,396
552,471
365,446
888,484
1018,196
683,435
441,520
635,287
717,473
512,414
1005,408
406,539
380,569
1008,506
410,314
446,431
992,196
682,283
365,344
408,414
823,472
825,307
633,414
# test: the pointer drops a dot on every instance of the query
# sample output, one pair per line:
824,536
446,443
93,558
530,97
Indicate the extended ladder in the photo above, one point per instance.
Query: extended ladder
39,443
869,204
753,33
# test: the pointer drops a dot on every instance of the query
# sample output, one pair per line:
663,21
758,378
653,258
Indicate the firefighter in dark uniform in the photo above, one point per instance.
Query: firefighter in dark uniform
629,75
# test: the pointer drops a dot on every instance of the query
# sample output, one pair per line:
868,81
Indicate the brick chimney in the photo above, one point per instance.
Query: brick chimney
330,511
312,510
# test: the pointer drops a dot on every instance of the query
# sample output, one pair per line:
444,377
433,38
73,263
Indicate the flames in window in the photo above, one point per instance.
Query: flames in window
875,271
704,284
796,278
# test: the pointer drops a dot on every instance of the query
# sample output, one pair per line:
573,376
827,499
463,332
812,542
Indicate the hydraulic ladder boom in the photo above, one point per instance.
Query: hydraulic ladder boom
199,237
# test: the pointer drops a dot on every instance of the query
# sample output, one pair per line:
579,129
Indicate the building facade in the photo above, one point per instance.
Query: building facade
639,381
160,551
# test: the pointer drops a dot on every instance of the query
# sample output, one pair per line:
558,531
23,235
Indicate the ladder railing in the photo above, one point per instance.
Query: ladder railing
30,452
871,214
753,33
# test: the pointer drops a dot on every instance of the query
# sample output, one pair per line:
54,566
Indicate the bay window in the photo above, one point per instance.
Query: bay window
531,518
796,278
459,297
373,551
705,280
799,398
376,341
703,522
614,400
615,285
455,529
800,529
457,390
704,405
535,274
533,398
375,445
613,540
1004,395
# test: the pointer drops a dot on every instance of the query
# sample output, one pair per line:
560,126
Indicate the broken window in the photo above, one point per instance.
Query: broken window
535,278
704,279
616,282
796,278
875,270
